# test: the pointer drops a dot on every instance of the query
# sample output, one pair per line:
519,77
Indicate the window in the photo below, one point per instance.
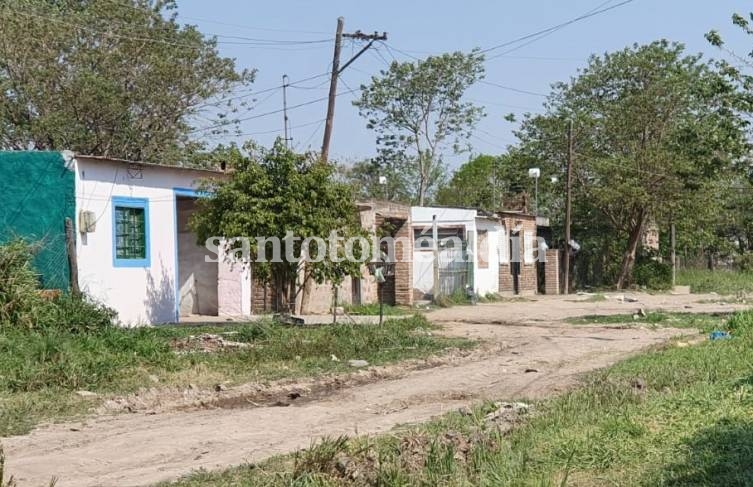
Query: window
130,233
448,237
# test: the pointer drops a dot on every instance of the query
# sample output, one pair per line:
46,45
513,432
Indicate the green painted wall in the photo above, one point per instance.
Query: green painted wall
37,193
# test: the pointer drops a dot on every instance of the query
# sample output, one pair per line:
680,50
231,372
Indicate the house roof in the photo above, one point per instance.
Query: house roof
148,164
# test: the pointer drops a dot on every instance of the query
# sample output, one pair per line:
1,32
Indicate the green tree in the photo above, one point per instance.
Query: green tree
418,113
654,128
381,178
110,77
276,193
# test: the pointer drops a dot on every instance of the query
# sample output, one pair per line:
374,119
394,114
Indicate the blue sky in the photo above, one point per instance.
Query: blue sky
423,27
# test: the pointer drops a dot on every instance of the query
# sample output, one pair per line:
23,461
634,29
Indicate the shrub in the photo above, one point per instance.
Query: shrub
744,262
652,274
77,314
741,323
22,306
20,302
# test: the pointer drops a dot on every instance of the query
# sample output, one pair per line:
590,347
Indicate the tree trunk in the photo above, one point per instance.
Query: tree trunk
628,259
308,287
421,190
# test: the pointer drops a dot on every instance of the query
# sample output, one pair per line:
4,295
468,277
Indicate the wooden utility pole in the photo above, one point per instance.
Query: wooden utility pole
70,248
285,108
568,207
333,89
336,70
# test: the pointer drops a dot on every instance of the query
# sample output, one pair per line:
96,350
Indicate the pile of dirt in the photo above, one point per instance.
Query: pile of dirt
206,342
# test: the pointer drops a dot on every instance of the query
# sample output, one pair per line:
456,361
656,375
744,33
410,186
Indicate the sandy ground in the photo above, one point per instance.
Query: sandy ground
529,353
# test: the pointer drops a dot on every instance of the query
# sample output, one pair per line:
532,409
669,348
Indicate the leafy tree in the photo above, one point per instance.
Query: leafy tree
654,128
418,113
111,77
494,182
272,193
365,178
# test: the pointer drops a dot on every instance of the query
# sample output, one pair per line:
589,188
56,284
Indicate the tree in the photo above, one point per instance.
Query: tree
418,113
381,178
492,182
654,129
118,78
272,193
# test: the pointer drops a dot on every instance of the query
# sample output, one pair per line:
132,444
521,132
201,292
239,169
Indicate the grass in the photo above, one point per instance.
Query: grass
705,322
670,417
41,370
372,309
720,281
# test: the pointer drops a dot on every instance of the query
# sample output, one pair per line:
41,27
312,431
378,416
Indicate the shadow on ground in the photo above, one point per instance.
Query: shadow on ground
720,455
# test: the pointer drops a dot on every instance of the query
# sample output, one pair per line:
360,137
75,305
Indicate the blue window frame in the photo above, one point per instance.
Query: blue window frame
130,232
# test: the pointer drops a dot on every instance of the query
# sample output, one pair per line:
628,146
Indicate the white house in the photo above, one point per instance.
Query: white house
134,249
480,241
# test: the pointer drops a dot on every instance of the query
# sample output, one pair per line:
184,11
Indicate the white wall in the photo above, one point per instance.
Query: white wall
140,295
487,280
422,220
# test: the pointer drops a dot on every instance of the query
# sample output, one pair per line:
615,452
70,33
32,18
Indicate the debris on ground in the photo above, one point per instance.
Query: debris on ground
719,335
206,342
87,394
530,371
358,363
507,411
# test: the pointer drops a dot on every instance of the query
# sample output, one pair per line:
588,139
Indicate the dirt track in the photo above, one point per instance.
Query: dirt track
139,449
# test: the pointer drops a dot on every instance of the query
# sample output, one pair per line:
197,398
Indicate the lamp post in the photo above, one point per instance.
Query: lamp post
535,173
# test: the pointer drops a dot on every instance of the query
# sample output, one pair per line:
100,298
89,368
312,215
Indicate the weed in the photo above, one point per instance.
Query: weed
373,309
42,368
671,417
720,281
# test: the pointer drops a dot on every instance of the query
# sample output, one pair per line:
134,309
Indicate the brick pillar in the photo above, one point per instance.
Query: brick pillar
404,266
552,272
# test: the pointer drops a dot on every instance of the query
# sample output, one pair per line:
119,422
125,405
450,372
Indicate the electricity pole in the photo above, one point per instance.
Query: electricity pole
288,139
336,70
568,207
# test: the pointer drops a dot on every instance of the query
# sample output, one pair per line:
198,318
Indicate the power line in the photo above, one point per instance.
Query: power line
276,131
79,27
273,112
587,15
516,90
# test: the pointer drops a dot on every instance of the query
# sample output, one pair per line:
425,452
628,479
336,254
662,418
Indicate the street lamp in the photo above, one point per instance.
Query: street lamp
535,173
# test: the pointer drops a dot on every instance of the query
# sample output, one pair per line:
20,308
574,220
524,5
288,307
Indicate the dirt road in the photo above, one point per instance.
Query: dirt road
139,449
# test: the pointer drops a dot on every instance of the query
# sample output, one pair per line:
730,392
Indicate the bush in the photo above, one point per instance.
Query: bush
652,274
77,314
22,305
744,262
20,302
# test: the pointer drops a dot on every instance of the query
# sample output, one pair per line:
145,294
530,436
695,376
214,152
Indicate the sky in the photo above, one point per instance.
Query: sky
417,28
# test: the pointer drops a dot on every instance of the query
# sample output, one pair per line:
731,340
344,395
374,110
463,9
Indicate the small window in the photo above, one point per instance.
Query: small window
130,232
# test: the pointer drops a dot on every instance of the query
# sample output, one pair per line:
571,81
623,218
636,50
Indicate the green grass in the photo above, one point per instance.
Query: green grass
41,370
702,321
372,309
720,281
670,417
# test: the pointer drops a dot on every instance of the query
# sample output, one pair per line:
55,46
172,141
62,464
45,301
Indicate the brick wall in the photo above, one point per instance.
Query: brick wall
527,279
404,265
552,272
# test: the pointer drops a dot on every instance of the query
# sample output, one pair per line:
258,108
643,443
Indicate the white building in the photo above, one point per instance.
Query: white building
134,249
480,240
